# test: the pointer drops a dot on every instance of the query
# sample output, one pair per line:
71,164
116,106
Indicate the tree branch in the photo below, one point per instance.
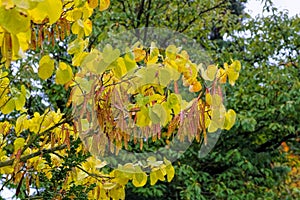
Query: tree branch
274,143
27,157
201,13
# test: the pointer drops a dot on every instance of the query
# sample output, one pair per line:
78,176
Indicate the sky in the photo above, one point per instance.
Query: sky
254,7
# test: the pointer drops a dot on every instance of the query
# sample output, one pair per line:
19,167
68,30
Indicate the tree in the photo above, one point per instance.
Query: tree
49,62
249,161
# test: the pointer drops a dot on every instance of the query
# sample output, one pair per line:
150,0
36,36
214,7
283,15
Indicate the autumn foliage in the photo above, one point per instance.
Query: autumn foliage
105,93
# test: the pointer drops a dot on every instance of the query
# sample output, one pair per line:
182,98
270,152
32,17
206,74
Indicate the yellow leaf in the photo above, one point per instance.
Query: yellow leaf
93,3
216,100
78,58
236,65
230,118
77,46
153,57
232,71
213,127
19,143
87,11
139,54
64,73
210,73
195,87
153,178
171,52
143,118
161,172
25,4
15,47
46,67
109,186
130,62
73,14
8,4
87,27
85,124
232,76
8,107
47,8
13,21
109,54
24,38
21,124
104,4
170,172
222,76
6,170
139,179
19,101
158,114
120,70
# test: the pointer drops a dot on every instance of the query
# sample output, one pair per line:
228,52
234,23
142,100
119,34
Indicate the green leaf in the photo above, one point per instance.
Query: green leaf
158,114
164,77
130,62
109,54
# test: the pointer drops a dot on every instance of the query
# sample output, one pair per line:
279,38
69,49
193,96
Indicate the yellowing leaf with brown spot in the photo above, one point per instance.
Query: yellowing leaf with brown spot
87,27
13,21
104,4
46,67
